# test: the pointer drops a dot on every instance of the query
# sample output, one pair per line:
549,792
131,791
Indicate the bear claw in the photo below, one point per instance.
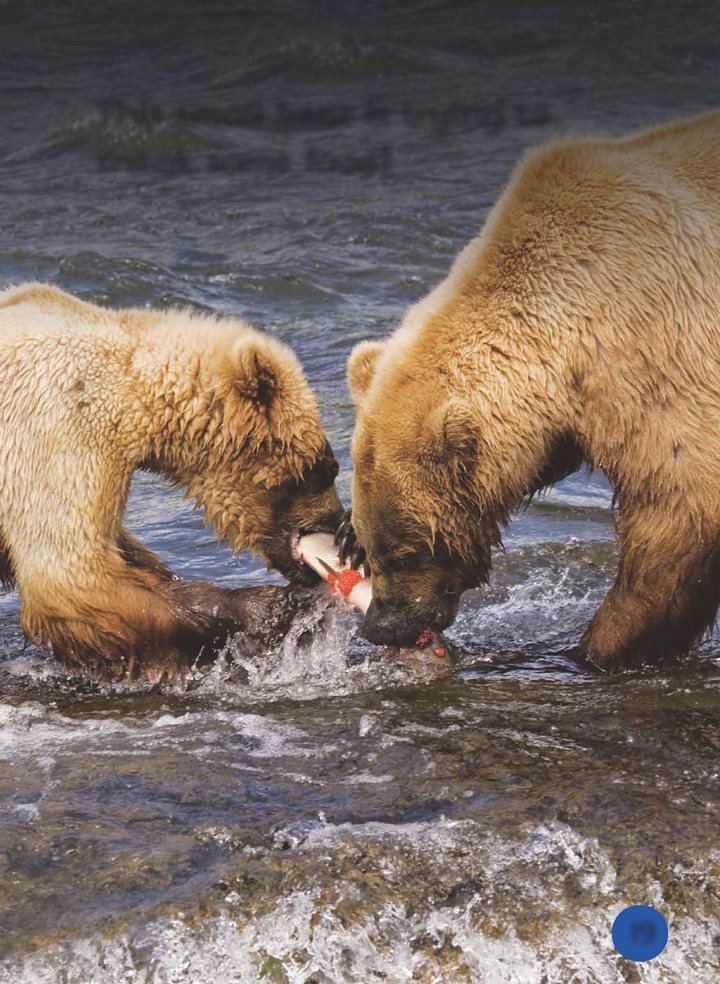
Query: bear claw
350,551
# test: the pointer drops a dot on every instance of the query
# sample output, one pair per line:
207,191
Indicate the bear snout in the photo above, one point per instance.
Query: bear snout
387,625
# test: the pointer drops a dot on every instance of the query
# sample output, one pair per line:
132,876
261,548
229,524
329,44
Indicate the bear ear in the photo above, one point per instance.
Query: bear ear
257,377
361,368
251,382
450,434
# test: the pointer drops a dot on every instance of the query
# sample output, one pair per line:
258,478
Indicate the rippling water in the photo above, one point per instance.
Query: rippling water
315,168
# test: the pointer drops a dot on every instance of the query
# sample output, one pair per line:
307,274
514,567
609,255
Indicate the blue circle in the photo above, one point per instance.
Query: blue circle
639,933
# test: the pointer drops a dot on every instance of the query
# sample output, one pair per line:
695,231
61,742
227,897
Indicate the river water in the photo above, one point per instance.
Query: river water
315,167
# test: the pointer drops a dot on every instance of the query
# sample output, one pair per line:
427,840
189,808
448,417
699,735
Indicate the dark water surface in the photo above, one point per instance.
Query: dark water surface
315,167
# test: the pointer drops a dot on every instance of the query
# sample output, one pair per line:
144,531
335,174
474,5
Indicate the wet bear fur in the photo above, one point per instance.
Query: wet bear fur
582,325
88,395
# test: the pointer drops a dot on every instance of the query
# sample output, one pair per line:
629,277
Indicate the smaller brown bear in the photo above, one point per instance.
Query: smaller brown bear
87,396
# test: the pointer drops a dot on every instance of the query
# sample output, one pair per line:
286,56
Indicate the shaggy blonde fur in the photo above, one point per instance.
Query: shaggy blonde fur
87,396
582,323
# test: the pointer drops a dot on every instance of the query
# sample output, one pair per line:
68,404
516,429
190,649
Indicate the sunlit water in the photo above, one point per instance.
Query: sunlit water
333,819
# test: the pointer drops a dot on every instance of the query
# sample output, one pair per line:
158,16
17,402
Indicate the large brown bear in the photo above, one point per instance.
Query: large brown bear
87,396
582,325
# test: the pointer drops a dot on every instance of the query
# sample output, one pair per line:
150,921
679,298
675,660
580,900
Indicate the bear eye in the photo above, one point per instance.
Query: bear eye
397,563
324,472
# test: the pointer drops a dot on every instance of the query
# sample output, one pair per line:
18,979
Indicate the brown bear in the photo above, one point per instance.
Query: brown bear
582,325
87,396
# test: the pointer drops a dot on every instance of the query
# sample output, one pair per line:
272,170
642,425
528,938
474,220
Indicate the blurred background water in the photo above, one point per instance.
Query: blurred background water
314,167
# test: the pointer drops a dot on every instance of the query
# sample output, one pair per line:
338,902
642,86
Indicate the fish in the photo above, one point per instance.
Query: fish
320,552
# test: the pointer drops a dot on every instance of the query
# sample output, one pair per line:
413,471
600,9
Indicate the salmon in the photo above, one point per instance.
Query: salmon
320,552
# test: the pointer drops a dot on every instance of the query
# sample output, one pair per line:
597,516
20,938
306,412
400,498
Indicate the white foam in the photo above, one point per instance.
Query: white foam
367,779
544,606
302,938
305,942
30,730
555,843
310,663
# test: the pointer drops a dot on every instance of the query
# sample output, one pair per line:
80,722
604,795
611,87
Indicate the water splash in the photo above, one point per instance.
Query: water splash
498,924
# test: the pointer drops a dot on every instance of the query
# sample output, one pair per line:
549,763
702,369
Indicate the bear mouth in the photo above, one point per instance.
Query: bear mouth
298,534
300,572
295,546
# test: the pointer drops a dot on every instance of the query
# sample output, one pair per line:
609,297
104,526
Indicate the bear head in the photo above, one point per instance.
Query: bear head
414,509
248,444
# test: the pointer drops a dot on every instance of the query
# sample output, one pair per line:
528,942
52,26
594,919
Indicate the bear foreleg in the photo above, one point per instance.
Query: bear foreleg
156,631
129,627
666,593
